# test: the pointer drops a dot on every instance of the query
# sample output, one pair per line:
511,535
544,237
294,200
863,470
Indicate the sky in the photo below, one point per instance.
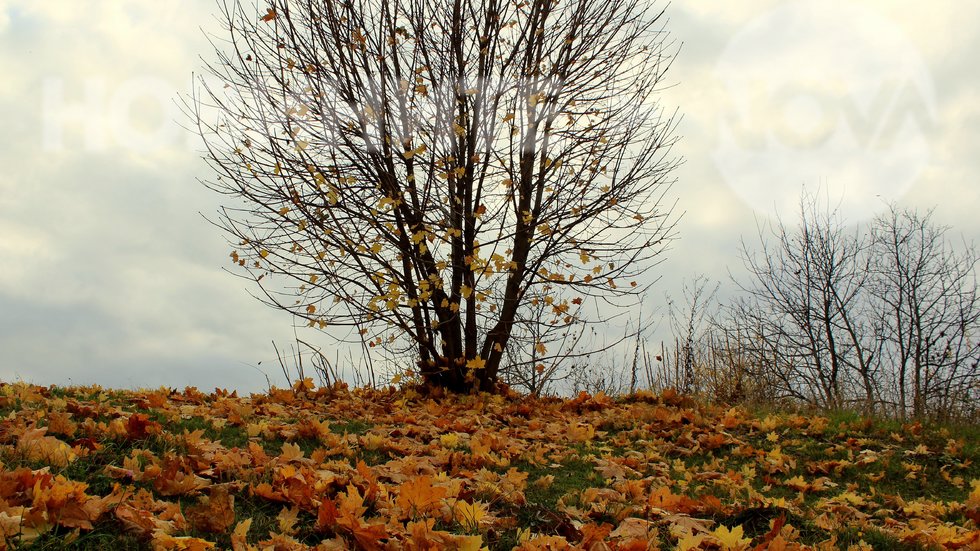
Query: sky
110,274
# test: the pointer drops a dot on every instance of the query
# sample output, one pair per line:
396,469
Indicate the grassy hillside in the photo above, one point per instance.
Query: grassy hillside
331,468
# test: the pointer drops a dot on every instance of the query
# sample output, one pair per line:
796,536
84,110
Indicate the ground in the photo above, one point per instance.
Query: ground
334,468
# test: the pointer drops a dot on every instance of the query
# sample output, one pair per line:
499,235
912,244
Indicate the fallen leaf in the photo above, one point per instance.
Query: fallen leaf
35,446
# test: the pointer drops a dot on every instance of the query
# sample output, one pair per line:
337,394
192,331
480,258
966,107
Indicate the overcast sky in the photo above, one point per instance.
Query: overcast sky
110,275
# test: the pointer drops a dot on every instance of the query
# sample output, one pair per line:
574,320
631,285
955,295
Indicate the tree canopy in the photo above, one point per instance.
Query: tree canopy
448,179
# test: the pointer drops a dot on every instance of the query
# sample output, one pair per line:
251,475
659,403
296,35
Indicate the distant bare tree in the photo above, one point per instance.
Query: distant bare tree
689,324
748,355
420,175
928,310
805,299
885,319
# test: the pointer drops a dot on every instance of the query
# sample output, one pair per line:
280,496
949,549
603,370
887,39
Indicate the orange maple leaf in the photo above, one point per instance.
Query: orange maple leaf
352,503
593,533
326,516
418,496
291,452
139,520
213,514
64,502
370,536
139,426
173,480
61,423
162,540
37,447
663,498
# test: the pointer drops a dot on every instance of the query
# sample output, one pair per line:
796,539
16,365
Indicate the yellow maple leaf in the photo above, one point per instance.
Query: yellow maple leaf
239,538
973,499
731,539
544,482
417,151
373,441
689,542
291,452
476,363
469,543
287,520
469,515
797,483
450,440
851,498
580,432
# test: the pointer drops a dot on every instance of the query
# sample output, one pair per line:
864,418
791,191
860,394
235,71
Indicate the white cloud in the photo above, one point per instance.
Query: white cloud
111,274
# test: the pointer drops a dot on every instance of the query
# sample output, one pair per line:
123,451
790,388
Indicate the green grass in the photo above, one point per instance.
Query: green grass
351,426
539,513
879,541
106,537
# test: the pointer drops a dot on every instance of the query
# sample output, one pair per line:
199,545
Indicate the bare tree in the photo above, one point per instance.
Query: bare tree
928,309
688,325
413,174
536,369
887,318
746,360
804,300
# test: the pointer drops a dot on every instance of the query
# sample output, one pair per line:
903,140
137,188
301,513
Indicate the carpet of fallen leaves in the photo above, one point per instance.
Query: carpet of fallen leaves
333,468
